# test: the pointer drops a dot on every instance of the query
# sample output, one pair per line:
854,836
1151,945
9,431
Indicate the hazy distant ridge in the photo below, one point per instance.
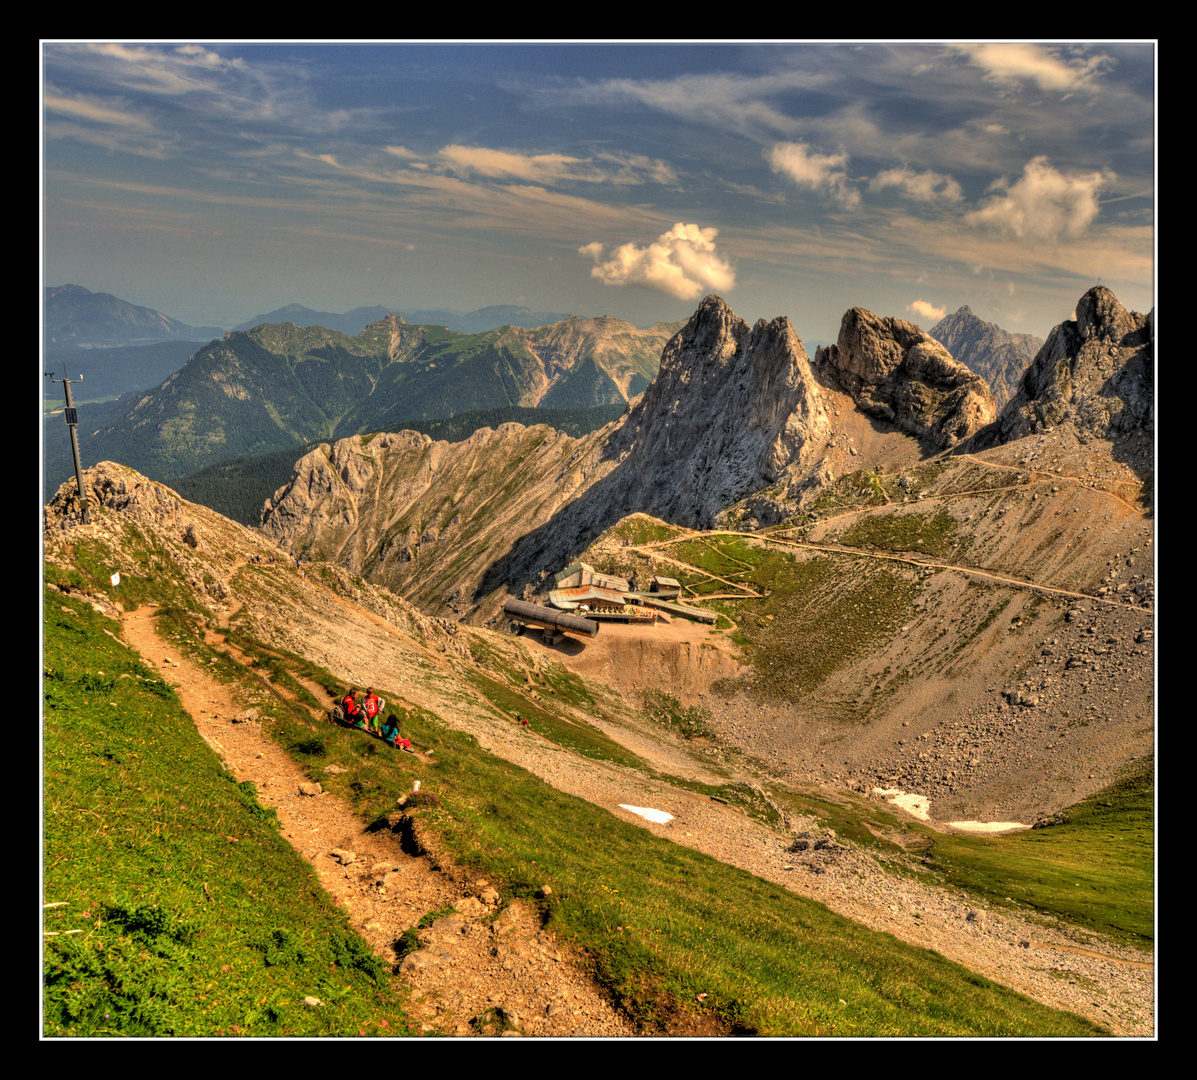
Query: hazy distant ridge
355,321
72,315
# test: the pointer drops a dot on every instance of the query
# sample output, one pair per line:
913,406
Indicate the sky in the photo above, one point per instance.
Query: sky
215,181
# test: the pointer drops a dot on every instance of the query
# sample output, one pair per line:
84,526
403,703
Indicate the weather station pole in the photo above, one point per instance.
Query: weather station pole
72,419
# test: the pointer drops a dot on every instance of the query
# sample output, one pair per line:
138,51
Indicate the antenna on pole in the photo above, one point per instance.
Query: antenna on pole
72,419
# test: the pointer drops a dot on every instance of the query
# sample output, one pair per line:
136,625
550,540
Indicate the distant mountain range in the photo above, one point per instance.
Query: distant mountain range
75,317
276,386
116,347
355,321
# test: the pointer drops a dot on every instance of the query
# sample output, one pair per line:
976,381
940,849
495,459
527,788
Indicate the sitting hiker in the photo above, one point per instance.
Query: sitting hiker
373,706
390,734
353,711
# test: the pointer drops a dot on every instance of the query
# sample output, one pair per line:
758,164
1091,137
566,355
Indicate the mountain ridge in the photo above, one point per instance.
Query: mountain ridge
998,356
698,463
280,385
73,315
355,321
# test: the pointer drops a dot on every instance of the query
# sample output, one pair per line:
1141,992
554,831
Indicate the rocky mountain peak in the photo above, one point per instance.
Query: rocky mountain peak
1094,373
896,372
1099,314
999,357
732,409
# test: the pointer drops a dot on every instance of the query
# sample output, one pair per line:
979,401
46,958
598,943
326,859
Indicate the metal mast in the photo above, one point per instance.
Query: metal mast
72,419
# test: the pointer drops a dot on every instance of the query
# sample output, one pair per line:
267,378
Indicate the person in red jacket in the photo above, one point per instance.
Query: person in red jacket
353,711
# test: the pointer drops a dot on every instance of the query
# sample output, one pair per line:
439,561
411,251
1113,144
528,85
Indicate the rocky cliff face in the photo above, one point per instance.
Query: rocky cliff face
1094,373
999,357
732,410
427,518
897,373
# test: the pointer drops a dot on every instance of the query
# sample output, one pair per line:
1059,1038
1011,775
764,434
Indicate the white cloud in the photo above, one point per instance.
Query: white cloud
536,168
927,311
552,168
926,186
1044,203
819,172
95,112
1011,63
181,70
682,263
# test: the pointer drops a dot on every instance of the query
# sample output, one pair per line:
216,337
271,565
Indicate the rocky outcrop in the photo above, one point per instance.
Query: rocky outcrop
1094,372
117,487
733,410
897,373
999,357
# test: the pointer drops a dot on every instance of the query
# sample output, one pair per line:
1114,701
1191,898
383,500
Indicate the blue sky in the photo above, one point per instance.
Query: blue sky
216,181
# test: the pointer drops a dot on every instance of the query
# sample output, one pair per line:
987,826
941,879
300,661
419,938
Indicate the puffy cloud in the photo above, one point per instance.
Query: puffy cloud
926,186
927,311
820,172
682,263
1044,203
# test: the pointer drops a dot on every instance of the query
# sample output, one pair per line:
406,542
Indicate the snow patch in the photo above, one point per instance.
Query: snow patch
658,816
988,826
918,805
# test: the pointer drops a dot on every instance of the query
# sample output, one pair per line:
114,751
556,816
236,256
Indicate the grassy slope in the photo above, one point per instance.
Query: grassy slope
196,917
667,929
183,937
1093,866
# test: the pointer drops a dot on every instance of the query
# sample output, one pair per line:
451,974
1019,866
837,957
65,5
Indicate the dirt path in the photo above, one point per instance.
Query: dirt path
474,974
859,553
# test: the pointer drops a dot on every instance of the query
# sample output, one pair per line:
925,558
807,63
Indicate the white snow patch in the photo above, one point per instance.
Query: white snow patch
918,805
988,826
658,816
